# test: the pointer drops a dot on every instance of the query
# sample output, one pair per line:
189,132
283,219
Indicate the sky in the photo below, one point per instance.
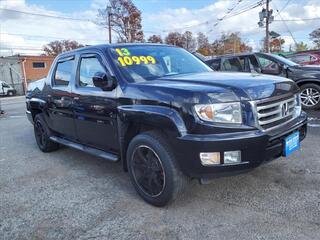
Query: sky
26,33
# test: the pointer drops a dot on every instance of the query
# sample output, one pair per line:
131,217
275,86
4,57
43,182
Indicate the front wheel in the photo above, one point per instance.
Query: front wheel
310,96
153,169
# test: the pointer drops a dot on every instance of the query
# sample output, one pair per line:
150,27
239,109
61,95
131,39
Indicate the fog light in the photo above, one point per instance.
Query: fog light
210,158
232,157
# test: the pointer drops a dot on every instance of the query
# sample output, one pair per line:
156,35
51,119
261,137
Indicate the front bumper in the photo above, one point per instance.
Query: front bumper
256,147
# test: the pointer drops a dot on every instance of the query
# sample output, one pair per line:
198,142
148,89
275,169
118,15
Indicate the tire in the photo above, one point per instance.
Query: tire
310,96
153,169
42,135
10,93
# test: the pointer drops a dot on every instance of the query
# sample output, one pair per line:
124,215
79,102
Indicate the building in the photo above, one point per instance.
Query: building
18,70
35,67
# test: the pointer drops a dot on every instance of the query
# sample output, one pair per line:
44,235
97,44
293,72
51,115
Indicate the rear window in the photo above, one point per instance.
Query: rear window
63,73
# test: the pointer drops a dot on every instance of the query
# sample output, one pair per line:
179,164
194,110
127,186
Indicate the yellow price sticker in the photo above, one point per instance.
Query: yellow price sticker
130,60
123,52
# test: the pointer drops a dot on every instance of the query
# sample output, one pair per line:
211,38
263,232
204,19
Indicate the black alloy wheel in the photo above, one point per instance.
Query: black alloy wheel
153,169
148,171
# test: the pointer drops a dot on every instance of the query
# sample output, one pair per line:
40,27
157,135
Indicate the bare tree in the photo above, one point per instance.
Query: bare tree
230,43
56,47
189,41
155,39
125,20
315,37
175,38
203,44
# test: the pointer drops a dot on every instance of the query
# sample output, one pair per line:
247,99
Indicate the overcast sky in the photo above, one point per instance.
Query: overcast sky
25,33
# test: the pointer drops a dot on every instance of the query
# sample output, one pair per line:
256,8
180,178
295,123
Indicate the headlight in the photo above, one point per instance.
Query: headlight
220,112
297,108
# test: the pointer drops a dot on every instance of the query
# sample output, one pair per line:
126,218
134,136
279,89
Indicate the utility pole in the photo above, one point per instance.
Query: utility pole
266,13
267,27
109,22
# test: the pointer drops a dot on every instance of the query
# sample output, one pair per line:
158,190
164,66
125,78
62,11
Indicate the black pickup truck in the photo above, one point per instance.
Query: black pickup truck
164,114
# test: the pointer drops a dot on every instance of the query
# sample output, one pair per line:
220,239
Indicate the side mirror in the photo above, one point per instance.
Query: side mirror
276,70
103,81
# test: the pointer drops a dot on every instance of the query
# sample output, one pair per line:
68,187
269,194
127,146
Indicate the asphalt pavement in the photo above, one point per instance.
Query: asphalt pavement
71,195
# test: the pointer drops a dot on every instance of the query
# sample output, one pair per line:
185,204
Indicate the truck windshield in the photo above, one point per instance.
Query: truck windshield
144,63
285,60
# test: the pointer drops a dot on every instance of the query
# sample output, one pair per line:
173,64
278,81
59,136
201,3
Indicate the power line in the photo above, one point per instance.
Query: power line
60,17
284,6
253,6
286,25
247,8
44,37
296,20
47,15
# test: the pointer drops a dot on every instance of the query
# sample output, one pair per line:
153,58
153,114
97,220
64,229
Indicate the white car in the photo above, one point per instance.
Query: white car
6,89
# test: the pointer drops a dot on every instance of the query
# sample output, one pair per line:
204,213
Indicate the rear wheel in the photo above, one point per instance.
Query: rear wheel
10,93
310,96
153,169
42,135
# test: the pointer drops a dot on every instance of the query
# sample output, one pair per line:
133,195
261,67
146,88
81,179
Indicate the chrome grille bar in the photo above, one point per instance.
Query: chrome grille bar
270,114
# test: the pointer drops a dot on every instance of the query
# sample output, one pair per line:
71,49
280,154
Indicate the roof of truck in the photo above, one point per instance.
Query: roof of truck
113,45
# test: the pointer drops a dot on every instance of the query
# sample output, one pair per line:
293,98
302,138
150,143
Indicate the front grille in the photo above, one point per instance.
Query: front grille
274,112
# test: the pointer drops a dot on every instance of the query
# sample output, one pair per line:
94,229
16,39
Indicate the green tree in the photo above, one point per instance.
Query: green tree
301,46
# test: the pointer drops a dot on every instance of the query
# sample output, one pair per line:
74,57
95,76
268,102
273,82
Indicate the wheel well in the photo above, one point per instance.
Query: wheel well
308,81
34,112
132,130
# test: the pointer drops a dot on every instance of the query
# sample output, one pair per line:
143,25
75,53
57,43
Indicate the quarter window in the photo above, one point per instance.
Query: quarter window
63,72
89,66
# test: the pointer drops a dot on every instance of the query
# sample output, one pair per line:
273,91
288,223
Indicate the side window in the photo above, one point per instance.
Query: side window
63,73
254,65
89,66
4,85
267,64
215,64
303,58
232,65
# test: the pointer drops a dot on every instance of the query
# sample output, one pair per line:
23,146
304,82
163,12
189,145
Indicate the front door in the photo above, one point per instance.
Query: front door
60,99
95,110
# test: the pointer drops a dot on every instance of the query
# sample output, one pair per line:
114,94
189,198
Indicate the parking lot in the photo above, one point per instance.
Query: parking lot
71,195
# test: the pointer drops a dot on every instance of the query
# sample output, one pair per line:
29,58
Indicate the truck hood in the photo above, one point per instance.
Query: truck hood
227,86
308,67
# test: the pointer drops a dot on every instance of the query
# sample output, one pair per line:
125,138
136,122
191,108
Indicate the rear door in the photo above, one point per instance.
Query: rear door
60,98
95,110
